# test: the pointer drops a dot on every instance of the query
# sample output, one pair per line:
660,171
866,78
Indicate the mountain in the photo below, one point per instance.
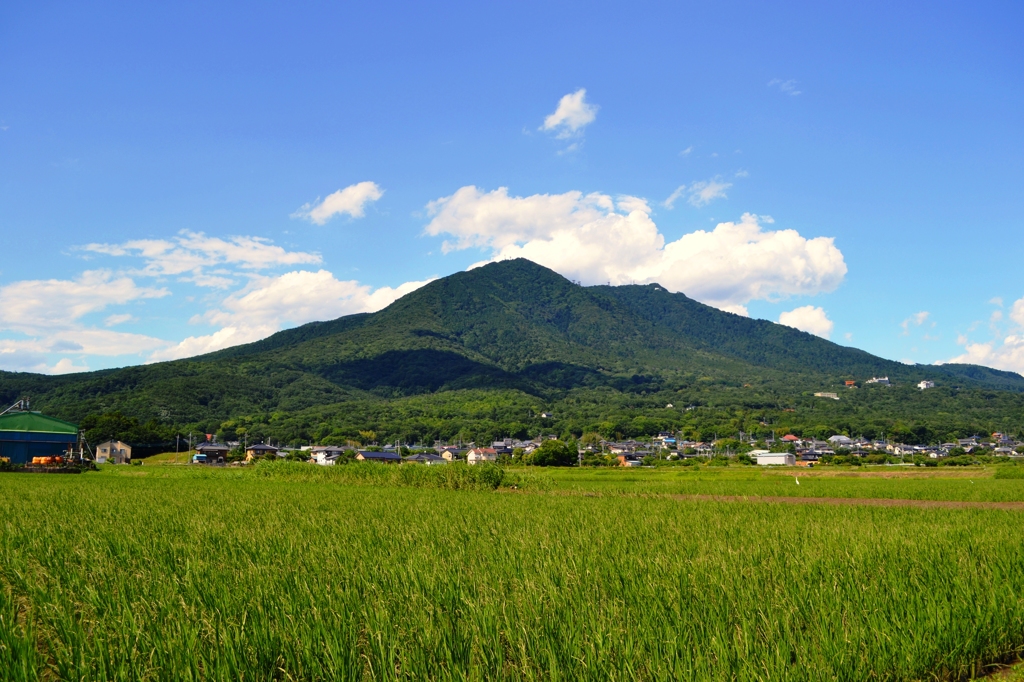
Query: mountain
512,326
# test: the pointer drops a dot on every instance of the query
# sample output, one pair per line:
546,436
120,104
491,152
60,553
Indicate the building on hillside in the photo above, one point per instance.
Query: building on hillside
477,455
24,435
833,396
926,384
326,455
259,450
884,381
113,451
210,453
385,457
776,459
840,441
850,383
426,458
452,454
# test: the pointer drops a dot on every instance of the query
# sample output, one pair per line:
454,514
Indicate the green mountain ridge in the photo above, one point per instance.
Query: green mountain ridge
510,326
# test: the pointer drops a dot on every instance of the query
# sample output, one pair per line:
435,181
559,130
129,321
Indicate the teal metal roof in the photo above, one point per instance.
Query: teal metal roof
35,422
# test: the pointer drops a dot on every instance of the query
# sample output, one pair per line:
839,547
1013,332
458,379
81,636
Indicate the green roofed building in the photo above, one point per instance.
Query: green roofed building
24,435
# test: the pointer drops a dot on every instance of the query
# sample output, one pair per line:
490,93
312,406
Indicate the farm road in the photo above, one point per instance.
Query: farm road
857,501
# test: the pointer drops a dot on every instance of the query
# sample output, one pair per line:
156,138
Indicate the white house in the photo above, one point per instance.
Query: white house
926,384
776,458
477,455
878,380
326,455
840,440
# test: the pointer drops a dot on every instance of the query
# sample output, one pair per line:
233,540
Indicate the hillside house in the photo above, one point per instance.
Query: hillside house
114,451
384,457
259,450
427,459
926,384
477,455
326,455
211,453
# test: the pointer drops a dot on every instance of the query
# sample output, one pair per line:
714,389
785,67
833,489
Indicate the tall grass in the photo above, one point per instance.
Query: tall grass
269,577
456,476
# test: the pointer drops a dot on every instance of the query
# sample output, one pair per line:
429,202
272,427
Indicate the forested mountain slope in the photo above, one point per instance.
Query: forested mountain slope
512,325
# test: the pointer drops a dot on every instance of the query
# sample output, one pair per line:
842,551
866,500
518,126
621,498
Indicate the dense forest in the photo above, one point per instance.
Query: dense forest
483,354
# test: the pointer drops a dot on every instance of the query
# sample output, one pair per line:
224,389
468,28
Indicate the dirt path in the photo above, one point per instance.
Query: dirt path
857,501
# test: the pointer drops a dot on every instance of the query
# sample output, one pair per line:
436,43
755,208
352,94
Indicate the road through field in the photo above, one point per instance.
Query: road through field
857,501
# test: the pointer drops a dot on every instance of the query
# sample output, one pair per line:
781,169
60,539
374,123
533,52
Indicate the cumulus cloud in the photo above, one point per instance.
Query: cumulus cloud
596,239
203,260
1017,312
350,201
699,194
917,319
808,319
1004,351
573,114
270,303
34,306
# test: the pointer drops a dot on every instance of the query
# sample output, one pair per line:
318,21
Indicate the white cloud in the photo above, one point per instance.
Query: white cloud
597,239
1017,312
114,320
700,193
786,86
67,366
32,306
687,151
269,303
205,261
997,300
572,115
809,319
351,201
917,319
1004,351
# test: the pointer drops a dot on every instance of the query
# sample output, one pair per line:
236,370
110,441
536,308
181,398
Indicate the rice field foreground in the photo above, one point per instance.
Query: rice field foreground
233,576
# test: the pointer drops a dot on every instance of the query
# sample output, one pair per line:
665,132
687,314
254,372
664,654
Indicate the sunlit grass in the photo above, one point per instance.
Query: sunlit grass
182,573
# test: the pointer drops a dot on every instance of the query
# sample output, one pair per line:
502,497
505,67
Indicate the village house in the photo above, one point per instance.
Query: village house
210,453
325,455
426,458
114,451
259,450
477,455
385,457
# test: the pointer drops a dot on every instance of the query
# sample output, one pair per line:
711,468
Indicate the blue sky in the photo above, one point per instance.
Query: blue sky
179,177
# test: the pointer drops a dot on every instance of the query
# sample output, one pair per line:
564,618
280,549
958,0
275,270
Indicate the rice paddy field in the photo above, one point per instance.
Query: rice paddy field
295,572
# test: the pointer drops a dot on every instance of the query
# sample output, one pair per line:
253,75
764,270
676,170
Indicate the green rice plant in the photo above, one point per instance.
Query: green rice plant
234,574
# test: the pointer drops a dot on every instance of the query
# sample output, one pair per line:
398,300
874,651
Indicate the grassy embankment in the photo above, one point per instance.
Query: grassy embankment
139,573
